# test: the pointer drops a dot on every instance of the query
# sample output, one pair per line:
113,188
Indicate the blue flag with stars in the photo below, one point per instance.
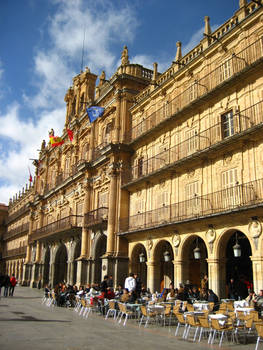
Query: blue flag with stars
94,112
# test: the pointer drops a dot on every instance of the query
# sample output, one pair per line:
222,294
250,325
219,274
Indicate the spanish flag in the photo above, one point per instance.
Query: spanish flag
56,141
70,134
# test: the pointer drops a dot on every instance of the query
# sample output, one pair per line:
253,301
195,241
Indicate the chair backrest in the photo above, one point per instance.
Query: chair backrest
259,328
180,317
241,315
255,315
111,304
144,310
215,324
190,307
249,321
230,306
167,309
204,322
211,306
190,319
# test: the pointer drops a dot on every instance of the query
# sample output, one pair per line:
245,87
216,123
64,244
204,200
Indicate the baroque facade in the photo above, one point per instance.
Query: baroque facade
173,167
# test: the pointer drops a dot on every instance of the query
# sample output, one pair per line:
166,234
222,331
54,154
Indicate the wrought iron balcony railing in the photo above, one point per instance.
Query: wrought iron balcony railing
238,62
14,252
61,225
229,199
17,213
16,231
97,152
240,122
96,217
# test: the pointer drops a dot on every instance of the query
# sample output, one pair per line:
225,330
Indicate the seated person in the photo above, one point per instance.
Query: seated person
251,298
203,294
258,301
213,298
195,293
119,291
110,293
125,296
171,295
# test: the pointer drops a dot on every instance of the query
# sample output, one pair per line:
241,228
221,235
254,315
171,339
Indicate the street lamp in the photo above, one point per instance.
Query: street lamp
197,251
237,249
166,256
141,258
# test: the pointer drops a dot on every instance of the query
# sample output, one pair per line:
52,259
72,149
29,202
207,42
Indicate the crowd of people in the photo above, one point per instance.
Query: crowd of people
8,284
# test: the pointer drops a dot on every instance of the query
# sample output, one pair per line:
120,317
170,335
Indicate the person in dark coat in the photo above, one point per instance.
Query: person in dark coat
213,298
7,285
232,289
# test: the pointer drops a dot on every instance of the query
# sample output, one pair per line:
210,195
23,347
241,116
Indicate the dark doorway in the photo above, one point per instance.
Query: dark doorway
60,273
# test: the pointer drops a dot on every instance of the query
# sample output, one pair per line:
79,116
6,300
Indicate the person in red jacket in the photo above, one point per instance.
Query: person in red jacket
13,282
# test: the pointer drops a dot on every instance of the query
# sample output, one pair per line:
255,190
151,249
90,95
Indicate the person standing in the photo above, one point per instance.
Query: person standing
13,283
130,284
138,288
6,284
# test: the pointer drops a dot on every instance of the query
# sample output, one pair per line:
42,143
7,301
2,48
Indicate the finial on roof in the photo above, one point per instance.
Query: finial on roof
102,78
155,70
125,56
207,26
178,56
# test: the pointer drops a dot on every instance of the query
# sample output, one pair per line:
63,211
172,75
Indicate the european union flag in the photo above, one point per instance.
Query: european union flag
95,112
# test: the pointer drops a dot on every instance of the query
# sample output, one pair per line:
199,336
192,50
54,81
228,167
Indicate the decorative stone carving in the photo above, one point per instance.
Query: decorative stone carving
176,240
255,228
210,235
124,56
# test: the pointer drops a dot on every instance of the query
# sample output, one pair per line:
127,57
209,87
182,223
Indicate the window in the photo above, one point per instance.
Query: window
192,141
67,167
227,123
162,156
103,199
193,92
162,205
82,103
107,133
137,220
225,71
85,151
73,107
192,198
231,190
140,167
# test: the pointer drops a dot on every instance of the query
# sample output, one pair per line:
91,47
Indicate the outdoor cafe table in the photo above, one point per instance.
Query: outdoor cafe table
240,303
201,306
246,310
220,317
136,308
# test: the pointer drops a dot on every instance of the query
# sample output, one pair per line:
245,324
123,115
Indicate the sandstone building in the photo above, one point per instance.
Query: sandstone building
172,168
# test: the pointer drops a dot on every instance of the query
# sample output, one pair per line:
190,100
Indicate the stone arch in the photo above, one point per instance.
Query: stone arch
60,264
99,249
164,268
137,266
193,269
239,268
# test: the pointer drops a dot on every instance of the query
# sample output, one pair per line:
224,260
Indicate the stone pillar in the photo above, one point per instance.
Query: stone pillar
257,268
70,271
242,9
92,135
112,213
178,272
117,127
151,276
214,277
26,268
125,121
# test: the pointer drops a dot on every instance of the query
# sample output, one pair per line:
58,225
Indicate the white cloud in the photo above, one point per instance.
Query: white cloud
54,66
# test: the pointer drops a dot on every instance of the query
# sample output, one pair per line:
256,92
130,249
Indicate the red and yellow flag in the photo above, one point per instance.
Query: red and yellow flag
70,134
56,141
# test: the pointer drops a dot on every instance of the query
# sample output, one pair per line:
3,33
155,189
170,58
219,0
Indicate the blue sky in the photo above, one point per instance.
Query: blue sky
41,44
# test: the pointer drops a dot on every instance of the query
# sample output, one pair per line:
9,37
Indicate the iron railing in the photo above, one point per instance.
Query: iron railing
16,231
18,213
96,217
229,199
64,224
241,121
14,252
98,150
231,67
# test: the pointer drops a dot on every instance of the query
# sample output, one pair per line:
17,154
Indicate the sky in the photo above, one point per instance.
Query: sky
41,45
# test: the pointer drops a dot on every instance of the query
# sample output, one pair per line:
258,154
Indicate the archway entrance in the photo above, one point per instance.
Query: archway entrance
100,250
60,273
239,268
46,267
164,274
76,255
194,268
138,262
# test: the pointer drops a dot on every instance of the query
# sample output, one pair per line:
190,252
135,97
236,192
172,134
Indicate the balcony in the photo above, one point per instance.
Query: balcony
18,213
58,228
14,252
248,119
96,217
238,63
232,199
63,177
97,152
19,230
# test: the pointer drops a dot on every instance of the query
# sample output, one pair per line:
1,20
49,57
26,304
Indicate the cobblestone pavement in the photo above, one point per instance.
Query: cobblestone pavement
27,324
